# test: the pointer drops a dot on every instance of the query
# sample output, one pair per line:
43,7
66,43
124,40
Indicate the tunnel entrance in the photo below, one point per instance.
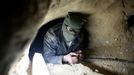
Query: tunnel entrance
37,47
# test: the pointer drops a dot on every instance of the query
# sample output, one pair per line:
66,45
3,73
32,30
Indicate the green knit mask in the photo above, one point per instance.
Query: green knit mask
72,26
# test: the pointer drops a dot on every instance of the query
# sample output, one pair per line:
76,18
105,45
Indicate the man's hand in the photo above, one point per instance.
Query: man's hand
73,57
80,56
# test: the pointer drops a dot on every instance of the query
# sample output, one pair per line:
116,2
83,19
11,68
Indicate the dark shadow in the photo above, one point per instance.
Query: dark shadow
86,37
130,21
86,42
130,24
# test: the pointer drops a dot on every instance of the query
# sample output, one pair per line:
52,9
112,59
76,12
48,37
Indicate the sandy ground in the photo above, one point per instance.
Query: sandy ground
40,68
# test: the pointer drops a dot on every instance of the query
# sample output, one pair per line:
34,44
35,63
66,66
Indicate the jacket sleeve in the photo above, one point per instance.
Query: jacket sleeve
49,49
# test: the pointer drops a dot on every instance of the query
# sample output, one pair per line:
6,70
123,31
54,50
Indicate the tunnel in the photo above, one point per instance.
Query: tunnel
110,28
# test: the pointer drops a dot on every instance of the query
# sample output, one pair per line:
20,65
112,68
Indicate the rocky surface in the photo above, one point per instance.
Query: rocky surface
110,29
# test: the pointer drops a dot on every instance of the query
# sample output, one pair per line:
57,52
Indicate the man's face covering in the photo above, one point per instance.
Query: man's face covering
72,26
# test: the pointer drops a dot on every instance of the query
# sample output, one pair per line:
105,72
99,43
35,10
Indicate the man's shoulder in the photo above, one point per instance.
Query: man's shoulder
56,27
53,32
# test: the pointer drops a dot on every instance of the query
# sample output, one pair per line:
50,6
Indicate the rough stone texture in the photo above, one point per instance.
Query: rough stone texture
22,65
111,38
19,21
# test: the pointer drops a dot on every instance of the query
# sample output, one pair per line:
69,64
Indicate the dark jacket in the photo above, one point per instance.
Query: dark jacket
55,46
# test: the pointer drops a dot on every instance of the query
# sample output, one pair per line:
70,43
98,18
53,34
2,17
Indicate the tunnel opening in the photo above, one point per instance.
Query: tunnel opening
37,44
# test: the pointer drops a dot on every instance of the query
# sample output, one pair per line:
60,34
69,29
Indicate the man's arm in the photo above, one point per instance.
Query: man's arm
50,46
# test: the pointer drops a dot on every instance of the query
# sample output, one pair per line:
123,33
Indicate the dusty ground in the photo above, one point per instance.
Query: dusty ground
23,67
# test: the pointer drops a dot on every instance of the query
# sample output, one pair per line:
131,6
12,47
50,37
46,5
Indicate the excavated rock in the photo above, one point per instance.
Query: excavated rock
110,31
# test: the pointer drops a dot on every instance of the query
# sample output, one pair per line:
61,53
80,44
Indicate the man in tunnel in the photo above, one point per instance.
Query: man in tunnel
63,43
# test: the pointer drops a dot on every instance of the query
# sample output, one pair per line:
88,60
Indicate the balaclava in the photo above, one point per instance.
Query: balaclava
75,22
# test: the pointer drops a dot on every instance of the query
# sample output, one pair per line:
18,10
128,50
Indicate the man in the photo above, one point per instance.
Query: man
63,42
